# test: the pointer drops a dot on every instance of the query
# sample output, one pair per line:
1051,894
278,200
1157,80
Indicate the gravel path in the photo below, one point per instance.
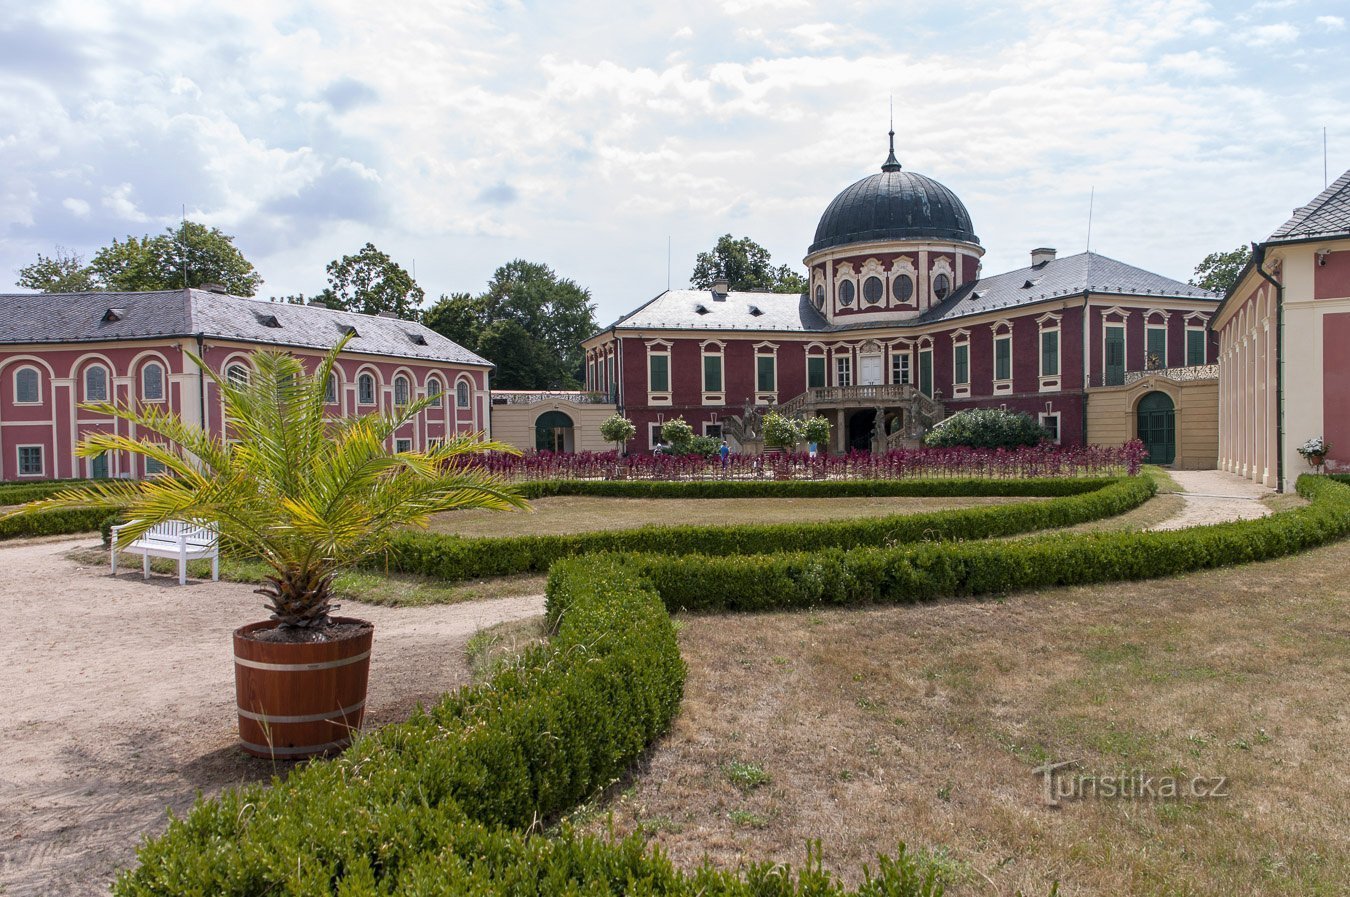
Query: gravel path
118,701
1215,496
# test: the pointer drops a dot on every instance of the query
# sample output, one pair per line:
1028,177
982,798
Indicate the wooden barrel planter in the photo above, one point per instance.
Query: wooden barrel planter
300,700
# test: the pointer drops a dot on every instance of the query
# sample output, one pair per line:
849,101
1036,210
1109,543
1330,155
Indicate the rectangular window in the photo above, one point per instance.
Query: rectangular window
1195,347
961,364
900,366
1157,349
815,371
1051,424
1003,358
1115,356
712,373
658,373
765,376
713,431
1050,353
926,372
843,371
402,445
153,468
30,461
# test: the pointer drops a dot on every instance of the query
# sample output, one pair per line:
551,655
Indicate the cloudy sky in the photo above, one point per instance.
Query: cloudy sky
458,135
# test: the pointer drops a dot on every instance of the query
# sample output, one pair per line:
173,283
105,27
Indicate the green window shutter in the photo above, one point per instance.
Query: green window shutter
1195,347
1115,356
712,373
1157,348
815,372
659,368
926,373
764,365
1003,358
1050,353
961,365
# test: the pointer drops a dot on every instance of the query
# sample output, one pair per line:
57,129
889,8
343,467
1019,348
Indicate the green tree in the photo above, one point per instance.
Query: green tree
619,430
746,265
529,322
306,495
191,254
782,431
1218,271
370,282
63,272
677,433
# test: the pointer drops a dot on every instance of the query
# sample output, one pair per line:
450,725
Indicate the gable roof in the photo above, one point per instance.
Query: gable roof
794,313
1328,215
96,317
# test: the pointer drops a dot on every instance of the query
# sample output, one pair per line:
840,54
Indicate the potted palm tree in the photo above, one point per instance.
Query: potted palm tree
308,496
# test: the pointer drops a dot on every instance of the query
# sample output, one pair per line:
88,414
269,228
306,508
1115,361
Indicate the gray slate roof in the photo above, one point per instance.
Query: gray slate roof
83,317
1328,215
793,312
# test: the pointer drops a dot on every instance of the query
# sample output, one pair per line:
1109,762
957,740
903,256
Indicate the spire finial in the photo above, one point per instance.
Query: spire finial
892,163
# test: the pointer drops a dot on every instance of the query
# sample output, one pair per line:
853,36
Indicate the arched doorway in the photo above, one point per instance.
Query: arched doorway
861,425
1157,427
553,432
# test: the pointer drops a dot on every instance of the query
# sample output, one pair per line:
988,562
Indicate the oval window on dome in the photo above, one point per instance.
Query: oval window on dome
903,288
846,292
942,285
820,295
872,290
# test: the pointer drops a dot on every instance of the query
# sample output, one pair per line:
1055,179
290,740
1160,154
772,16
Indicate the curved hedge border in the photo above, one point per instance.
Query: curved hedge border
454,558
18,493
956,569
925,488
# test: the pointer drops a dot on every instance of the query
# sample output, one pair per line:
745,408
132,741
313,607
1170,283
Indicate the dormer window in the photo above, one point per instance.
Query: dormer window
268,320
114,314
1030,283
701,309
349,330
418,339
755,311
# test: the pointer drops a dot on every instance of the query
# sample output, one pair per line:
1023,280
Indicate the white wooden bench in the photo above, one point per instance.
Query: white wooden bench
181,539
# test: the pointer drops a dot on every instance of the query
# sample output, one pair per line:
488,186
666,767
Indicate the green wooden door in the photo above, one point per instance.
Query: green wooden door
98,468
1157,424
1115,356
926,373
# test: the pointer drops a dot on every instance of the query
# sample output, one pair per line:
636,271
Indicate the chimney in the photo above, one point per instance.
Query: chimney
720,287
1040,256
387,314
214,288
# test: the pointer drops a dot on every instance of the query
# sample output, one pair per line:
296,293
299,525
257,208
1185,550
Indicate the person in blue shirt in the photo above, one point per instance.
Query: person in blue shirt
725,452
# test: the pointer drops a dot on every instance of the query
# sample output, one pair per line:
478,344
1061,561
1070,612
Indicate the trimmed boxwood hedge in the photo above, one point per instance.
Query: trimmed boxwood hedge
954,569
52,523
925,488
455,558
18,493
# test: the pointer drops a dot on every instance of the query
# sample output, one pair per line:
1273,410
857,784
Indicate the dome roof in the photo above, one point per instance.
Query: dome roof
893,205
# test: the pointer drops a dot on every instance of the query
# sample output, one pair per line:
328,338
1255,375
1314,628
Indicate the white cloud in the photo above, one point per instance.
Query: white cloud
1268,35
77,207
1331,23
1209,64
118,201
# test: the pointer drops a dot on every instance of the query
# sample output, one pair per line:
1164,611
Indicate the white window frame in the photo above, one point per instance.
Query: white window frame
709,425
332,390
107,382
1001,330
905,357
163,382
1186,343
1046,415
656,396
402,441
463,393
712,349
1124,325
406,398
932,370
770,351
1049,323
147,461
825,370
361,378
42,460
435,391
233,366
961,390
843,369
654,434
37,373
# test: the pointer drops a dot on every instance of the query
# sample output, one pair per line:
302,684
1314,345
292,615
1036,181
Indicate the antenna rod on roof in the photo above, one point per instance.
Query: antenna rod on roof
1324,157
182,244
667,263
1091,196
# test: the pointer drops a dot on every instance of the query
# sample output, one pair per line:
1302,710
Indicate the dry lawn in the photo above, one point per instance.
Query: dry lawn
573,514
869,727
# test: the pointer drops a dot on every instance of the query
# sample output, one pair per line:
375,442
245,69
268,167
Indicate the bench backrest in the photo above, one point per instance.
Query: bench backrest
200,534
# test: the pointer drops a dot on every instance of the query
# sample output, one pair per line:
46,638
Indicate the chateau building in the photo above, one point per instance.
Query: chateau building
59,351
900,327
1284,343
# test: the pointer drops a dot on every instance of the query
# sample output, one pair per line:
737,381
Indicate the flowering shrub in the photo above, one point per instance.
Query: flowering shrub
1029,461
1314,446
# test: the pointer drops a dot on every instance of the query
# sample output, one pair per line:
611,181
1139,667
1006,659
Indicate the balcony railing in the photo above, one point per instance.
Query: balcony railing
578,397
1181,375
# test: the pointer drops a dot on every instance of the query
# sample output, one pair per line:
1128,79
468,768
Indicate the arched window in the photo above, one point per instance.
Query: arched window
846,292
237,374
152,382
872,290
401,390
96,383
27,386
365,389
903,288
942,285
434,391
330,389
462,394
820,295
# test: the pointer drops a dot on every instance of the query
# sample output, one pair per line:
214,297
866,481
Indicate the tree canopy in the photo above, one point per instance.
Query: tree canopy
746,265
369,281
189,255
529,322
1218,271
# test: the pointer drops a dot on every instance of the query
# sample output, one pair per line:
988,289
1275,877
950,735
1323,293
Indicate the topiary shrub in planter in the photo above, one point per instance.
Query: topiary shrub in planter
990,428
677,434
781,431
619,430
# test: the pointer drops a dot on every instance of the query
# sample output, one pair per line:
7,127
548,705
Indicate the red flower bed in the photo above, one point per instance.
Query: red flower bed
1034,461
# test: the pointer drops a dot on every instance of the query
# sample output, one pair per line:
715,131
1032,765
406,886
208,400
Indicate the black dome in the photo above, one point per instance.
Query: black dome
893,205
